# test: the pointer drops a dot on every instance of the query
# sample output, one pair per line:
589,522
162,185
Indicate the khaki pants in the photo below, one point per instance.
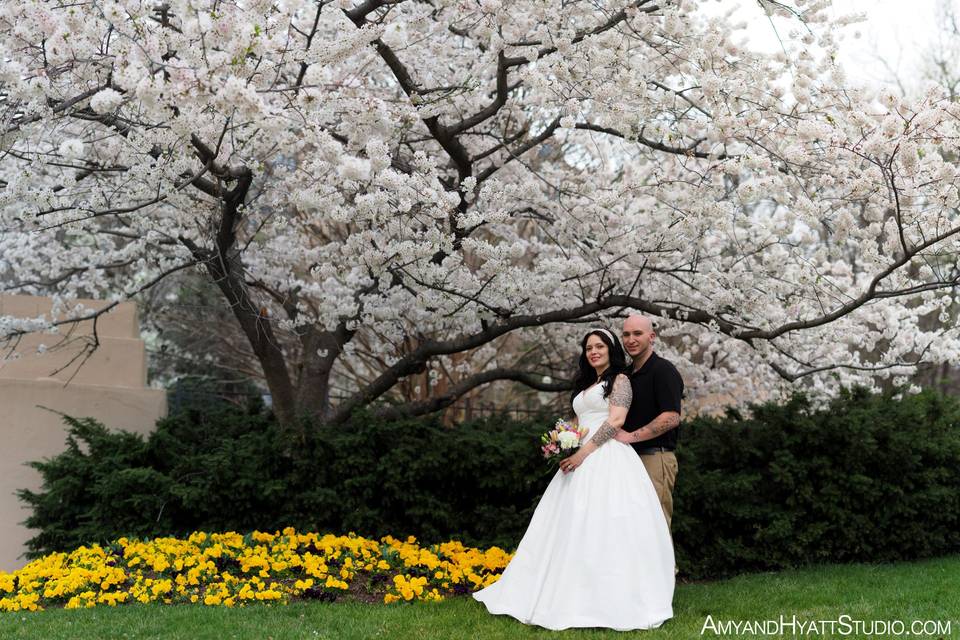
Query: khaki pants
662,469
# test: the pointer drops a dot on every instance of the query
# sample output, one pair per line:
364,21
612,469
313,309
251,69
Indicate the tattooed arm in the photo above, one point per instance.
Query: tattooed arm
620,396
658,426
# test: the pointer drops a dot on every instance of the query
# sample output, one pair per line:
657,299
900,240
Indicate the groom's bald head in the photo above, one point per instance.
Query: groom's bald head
635,320
638,336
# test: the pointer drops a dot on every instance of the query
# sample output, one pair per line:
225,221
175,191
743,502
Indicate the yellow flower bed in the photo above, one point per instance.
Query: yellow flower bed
228,569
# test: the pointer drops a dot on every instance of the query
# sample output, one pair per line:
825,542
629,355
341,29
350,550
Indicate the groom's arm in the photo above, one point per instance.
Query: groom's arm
668,390
658,426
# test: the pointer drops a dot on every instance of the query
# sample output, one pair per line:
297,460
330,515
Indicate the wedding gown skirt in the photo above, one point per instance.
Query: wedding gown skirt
597,552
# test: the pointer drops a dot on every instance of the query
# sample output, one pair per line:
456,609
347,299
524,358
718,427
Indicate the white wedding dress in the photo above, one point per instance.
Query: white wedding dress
597,552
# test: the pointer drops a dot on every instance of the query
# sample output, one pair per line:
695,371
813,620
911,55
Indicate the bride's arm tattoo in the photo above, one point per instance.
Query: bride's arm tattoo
620,396
604,433
622,393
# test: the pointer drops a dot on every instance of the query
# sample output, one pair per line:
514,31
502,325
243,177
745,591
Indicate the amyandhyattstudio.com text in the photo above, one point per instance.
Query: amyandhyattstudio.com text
843,625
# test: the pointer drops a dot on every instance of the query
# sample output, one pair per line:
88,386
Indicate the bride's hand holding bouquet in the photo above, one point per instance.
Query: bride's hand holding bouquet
562,442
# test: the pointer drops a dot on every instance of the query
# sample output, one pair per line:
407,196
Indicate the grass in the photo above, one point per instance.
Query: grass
926,590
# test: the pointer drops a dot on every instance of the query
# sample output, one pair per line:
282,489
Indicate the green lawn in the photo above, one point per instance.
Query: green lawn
928,590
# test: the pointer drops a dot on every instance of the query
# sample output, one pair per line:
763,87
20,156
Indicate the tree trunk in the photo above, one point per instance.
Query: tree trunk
312,391
256,325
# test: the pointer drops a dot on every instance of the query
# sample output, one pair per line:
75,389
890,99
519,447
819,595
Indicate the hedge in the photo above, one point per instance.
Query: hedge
866,478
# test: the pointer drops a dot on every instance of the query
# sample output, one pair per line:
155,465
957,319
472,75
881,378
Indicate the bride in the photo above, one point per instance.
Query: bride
597,552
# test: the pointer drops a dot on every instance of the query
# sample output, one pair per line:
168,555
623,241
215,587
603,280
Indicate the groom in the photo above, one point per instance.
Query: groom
653,420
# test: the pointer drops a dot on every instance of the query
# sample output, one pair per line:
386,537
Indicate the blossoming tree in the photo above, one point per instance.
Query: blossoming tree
427,178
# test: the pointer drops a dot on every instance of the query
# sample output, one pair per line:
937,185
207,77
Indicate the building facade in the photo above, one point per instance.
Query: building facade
43,376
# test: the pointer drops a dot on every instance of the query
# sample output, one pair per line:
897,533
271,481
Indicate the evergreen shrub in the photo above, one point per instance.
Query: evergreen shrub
866,478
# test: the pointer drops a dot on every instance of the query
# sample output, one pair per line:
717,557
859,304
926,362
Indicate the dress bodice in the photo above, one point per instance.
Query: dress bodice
591,408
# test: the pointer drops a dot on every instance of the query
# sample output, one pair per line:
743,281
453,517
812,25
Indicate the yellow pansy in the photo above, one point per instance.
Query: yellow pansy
199,569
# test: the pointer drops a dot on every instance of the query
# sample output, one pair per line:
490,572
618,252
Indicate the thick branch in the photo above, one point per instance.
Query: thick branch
611,22
520,150
226,273
17,333
56,106
304,65
414,361
689,151
790,376
225,267
870,293
491,109
443,400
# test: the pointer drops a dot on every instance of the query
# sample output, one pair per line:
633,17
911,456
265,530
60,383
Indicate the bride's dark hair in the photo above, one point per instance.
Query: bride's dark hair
587,375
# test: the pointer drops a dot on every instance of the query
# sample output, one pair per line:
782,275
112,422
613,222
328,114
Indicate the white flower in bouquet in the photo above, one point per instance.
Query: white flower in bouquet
568,439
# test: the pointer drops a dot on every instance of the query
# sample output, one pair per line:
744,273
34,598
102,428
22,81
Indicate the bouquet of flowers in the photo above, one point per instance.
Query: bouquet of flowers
561,441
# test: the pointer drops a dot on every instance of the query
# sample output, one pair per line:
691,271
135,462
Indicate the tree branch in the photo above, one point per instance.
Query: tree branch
415,361
689,151
443,400
519,151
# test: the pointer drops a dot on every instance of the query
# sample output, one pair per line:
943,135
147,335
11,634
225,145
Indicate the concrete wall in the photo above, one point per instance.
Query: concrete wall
110,386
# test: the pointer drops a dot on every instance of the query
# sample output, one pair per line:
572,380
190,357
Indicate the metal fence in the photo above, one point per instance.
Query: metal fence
469,410
180,399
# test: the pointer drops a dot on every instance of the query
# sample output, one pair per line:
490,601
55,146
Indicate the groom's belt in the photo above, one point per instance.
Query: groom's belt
643,450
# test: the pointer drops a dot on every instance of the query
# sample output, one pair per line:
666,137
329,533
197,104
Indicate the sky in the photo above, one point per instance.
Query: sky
892,38
897,31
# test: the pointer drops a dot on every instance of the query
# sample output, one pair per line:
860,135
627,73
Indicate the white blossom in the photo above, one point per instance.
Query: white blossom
72,148
105,101
396,189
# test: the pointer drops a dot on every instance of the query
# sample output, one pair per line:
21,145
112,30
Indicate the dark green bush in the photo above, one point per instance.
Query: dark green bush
236,470
867,478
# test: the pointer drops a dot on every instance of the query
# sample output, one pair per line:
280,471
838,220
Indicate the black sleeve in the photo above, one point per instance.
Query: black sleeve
668,388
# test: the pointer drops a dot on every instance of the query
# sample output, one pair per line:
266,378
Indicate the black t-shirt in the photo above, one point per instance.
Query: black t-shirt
657,387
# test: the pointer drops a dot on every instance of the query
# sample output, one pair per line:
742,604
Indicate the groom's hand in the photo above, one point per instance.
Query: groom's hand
624,436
